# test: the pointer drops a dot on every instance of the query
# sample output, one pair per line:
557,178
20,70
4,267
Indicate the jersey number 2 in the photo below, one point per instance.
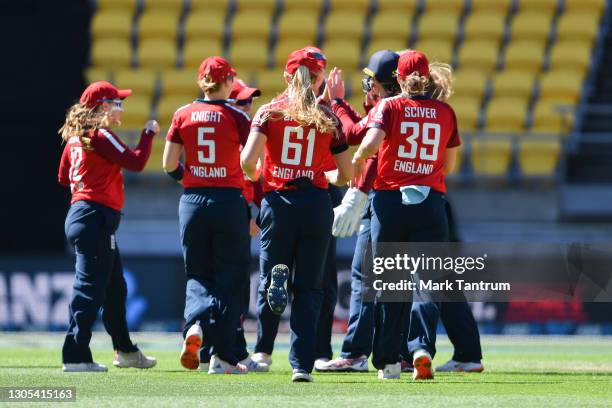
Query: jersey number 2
295,149
430,138
203,158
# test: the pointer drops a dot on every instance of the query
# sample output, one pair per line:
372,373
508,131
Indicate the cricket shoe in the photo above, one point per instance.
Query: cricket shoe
301,376
453,366
262,358
320,363
254,366
190,355
407,366
346,365
84,368
218,366
390,372
422,366
277,292
135,359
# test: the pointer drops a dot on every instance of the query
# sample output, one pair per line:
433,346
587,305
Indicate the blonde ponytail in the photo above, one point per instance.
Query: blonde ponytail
441,81
414,84
79,120
207,85
302,104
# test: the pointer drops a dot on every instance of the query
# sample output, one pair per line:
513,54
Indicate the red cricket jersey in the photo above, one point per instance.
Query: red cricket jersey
418,131
211,133
94,174
293,151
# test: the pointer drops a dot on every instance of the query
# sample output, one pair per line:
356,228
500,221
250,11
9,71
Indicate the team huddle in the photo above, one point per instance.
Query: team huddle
278,175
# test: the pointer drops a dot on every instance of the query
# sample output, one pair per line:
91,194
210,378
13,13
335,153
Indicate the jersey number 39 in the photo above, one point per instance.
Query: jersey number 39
430,140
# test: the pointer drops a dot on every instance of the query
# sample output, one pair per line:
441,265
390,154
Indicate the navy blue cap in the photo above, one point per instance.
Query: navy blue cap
382,65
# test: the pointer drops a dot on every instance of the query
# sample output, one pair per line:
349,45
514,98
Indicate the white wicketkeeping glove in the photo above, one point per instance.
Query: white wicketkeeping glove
348,215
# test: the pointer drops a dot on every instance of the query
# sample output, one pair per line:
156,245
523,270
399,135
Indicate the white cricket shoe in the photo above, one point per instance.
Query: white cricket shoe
218,366
320,363
190,355
390,372
301,376
262,358
135,359
452,366
421,360
348,365
254,366
84,368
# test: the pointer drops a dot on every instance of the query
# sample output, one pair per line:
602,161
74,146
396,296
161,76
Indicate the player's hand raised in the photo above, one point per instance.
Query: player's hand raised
152,126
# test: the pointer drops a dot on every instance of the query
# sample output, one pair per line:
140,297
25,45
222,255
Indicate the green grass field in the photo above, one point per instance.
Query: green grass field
520,372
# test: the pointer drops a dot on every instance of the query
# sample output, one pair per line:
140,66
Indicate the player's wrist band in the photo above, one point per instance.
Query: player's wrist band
177,174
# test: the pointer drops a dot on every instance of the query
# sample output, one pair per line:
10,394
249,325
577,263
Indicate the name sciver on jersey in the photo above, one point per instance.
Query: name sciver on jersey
420,112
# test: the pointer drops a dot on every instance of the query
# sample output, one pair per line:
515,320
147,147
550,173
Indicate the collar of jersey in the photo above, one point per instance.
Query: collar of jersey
416,97
215,102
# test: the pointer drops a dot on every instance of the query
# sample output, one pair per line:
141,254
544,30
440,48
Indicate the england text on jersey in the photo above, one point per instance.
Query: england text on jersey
412,167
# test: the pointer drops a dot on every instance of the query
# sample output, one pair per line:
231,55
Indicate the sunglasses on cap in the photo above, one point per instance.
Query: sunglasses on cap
117,103
316,55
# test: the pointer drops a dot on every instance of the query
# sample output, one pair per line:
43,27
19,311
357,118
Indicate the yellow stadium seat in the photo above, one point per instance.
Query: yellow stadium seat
303,5
397,6
128,6
506,114
491,156
251,53
204,24
467,109
531,25
552,117
484,25
111,24
571,54
358,5
352,83
469,83
514,83
170,6
180,82
495,5
155,162
478,54
384,44
137,112
161,24
453,6
111,53
436,50
271,82
300,24
538,156
140,81
543,5
580,5
168,105
438,25
196,50
96,74
251,25
285,46
268,6
562,84
220,6
578,26
344,54
524,55
157,53
345,24
391,25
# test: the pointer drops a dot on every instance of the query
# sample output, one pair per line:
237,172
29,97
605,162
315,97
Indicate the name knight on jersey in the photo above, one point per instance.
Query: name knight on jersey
290,174
413,168
206,116
208,172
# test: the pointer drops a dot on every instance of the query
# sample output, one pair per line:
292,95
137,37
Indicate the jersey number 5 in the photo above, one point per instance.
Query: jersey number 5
295,149
430,138
203,158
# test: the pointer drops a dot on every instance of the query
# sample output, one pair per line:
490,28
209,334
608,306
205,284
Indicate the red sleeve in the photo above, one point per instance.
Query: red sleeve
371,171
354,126
454,140
64,167
174,135
338,143
259,124
380,117
243,123
109,146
